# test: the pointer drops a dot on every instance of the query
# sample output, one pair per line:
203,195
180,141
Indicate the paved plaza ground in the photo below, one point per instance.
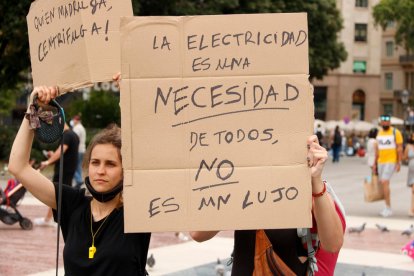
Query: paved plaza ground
370,253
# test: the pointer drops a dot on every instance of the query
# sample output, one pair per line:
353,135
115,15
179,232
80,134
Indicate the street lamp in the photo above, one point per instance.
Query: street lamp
404,101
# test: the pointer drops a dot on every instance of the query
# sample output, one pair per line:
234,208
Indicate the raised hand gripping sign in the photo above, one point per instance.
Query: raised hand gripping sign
74,44
216,111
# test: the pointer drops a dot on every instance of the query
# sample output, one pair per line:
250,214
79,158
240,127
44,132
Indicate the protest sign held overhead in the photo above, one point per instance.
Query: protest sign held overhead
216,112
75,43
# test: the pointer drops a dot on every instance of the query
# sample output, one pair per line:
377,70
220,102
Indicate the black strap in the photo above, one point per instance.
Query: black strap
59,203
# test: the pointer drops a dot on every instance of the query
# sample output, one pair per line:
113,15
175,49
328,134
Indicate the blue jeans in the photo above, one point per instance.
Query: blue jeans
336,150
78,172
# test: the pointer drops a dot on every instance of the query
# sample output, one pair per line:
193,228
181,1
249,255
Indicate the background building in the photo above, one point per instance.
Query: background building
397,75
352,92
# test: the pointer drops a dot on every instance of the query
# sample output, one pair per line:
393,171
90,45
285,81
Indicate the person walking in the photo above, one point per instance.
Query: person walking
336,144
79,129
409,156
388,152
320,134
371,145
92,227
70,161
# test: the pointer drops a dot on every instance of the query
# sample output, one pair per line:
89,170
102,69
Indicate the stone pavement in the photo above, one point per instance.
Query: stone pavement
370,253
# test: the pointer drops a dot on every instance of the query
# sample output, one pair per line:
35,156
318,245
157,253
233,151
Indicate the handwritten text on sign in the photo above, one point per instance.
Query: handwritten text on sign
74,31
73,43
215,121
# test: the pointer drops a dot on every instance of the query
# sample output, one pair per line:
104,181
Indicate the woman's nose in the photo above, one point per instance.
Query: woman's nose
101,169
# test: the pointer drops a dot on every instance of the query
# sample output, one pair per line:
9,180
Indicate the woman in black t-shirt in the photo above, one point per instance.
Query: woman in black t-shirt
92,227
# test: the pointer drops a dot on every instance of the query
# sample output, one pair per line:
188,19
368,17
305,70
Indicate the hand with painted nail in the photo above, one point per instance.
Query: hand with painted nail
44,93
317,156
117,79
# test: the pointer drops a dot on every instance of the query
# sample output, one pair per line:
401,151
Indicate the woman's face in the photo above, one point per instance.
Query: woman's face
105,167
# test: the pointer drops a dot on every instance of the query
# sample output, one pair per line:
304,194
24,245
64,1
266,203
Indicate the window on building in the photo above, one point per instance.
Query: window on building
360,66
388,109
390,24
389,46
388,81
319,99
361,3
361,32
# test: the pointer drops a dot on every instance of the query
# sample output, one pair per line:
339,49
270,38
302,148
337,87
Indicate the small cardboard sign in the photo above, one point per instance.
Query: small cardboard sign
216,111
74,44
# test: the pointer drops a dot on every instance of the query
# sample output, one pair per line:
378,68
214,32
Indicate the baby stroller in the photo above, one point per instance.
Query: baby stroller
9,198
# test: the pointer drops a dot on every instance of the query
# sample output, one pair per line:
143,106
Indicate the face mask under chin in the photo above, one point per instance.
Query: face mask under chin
104,196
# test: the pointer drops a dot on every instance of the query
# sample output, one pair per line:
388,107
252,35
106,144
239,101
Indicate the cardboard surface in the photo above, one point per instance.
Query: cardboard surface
216,111
74,44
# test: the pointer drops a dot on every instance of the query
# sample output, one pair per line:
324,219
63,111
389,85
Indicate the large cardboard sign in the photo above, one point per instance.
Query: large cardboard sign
75,43
216,111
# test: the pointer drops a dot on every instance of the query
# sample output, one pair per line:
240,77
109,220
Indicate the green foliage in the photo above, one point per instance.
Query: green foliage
14,45
402,13
99,111
324,24
7,134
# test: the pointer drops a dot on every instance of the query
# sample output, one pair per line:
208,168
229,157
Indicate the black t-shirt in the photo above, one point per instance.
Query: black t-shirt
117,253
285,242
70,157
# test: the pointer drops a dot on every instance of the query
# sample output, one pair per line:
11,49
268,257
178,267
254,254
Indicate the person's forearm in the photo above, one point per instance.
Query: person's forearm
399,153
54,156
36,183
201,236
330,230
20,152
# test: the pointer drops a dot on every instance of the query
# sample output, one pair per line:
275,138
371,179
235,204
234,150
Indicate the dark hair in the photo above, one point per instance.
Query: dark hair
110,135
410,140
373,133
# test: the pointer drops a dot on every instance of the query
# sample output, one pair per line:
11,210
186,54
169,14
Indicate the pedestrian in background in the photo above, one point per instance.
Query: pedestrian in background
388,155
371,145
409,156
336,144
320,134
81,132
70,161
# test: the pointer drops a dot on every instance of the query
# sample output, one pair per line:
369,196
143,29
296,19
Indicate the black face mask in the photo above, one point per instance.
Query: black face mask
106,196
385,128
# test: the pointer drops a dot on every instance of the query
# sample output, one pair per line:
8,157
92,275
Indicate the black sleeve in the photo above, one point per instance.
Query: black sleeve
144,247
67,139
71,199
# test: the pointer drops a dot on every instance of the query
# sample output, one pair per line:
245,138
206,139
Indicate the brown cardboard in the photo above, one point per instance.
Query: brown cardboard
215,149
75,43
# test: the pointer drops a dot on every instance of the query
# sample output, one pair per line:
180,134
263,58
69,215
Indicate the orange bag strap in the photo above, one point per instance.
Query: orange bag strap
262,242
264,247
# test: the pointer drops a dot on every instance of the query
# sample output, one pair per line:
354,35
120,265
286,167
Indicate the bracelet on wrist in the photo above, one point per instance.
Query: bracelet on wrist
323,190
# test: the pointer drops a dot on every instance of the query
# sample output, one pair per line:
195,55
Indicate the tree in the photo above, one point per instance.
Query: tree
14,44
402,13
100,110
324,23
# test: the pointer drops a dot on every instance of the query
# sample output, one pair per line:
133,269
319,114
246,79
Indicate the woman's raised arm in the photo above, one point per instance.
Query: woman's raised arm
35,182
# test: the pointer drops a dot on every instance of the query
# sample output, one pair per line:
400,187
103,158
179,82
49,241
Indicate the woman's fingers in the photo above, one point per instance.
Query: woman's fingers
312,140
317,155
117,78
45,93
